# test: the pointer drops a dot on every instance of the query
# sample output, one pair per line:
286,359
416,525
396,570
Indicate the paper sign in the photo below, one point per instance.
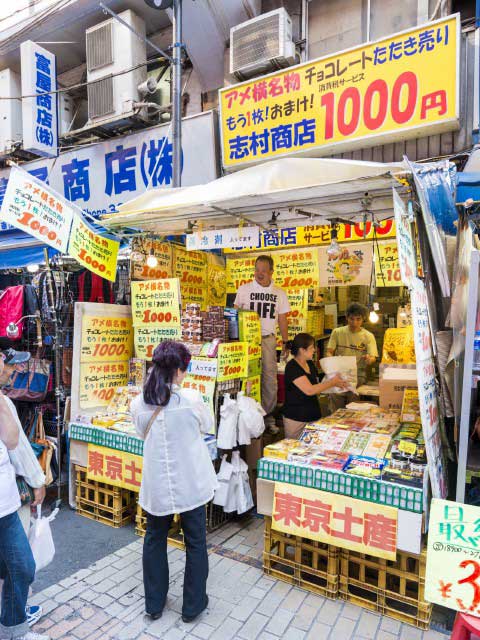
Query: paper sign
156,303
253,387
147,338
105,338
33,207
420,319
217,285
205,386
142,248
114,467
239,271
406,247
232,360
387,267
339,520
222,238
190,267
249,327
206,367
453,556
95,252
98,381
402,86
352,266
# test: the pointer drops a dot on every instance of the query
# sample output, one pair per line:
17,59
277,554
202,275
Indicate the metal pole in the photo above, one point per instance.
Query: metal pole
177,93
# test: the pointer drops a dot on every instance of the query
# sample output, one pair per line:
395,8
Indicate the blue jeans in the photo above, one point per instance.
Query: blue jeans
155,562
17,568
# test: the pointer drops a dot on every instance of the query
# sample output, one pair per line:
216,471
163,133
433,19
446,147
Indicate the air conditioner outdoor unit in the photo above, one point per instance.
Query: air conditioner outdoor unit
262,44
111,50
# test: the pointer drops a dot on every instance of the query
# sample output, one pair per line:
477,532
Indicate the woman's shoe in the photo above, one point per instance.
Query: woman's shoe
192,618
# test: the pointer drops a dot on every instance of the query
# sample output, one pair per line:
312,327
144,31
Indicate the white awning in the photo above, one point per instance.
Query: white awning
303,191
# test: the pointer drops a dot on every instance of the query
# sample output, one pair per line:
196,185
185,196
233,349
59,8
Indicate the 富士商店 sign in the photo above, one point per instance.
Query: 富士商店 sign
403,86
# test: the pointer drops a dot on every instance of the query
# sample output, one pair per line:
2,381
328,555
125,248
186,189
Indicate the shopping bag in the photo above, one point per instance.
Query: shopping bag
244,493
30,385
227,430
223,477
250,419
346,366
41,539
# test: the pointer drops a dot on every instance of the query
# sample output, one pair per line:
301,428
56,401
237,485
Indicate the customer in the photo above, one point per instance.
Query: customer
17,566
178,477
302,387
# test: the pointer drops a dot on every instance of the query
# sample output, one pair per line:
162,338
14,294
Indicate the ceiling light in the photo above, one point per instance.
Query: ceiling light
152,261
373,316
334,249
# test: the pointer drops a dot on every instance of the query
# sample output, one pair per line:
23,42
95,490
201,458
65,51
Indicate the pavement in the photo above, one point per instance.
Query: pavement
104,600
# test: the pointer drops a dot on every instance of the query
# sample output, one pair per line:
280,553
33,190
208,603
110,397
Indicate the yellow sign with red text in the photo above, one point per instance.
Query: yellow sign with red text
387,265
335,519
106,338
232,361
95,252
118,468
98,381
404,86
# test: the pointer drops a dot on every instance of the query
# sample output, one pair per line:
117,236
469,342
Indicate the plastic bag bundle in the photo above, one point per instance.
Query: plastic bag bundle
239,495
346,366
223,477
250,419
227,430
41,540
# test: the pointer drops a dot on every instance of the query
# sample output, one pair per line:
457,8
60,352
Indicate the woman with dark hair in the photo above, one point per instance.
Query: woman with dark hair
302,386
178,477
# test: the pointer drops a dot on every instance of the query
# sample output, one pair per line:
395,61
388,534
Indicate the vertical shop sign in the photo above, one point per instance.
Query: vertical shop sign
406,248
335,519
39,107
352,266
453,557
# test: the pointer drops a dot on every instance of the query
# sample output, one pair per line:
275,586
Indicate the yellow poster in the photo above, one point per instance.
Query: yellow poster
254,352
95,252
298,299
253,387
387,266
217,285
117,468
351,266
105,338
232,361
249,327
205,386
320,234
453,564
98,381
142,248
156,303
404,86
190,267
239,271
339,520
147,338
399,346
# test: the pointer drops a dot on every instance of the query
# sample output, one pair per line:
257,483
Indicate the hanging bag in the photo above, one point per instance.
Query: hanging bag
47,452
41,540
30,385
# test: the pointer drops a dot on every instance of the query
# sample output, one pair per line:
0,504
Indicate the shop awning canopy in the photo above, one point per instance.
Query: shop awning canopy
302,191
18,250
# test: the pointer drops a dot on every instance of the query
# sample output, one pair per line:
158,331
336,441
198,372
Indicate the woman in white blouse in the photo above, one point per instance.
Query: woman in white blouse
178,477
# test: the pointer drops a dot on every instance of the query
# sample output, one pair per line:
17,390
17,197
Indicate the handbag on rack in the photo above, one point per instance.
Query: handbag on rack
43,448
30,385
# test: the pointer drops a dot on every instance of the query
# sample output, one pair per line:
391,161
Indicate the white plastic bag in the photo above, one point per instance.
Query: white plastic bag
223,477
41,540
250,419
239,495
244,493
346,366
227,430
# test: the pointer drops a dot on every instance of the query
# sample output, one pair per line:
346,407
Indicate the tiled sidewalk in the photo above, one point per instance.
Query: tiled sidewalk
105,601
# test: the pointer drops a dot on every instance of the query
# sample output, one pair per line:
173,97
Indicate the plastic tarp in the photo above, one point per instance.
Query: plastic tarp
303,190
18,250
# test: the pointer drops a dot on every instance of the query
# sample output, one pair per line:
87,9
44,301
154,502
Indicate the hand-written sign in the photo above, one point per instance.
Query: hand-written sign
142,248
95,252
453,556
232,361
147,338
117,468
33,207
339,520
98,381
249,327
156,303
387,268
106,338
205,386
401,86
253,387
190,267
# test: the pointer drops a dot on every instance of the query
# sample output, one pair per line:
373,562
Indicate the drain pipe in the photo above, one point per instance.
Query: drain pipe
304,29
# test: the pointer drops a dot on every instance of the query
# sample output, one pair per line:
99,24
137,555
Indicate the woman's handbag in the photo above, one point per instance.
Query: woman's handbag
43,448
25,491
30,385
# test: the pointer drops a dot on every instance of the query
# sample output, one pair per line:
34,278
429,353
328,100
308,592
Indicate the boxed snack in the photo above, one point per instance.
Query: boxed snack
365,466
356,443
411,407
377,445
280,449
335,461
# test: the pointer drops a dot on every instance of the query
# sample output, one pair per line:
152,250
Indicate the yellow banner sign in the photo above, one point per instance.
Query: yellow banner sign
205,386
147,338
142,248
249,327
253,387
117,468
400,87
105,338
453,556
156,303
239,271
352,266
317,235
95,252
387,266
190,267
98,381
232,361
217,285
254,352
335,519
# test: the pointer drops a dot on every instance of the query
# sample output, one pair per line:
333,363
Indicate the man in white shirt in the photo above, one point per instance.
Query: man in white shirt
271,304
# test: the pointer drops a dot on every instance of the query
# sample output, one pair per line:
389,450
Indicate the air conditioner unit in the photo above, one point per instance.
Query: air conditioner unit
111,50
65,113
10,111
261,45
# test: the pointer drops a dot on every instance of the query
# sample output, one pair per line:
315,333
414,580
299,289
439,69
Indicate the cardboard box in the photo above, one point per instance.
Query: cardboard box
394,379
253,452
